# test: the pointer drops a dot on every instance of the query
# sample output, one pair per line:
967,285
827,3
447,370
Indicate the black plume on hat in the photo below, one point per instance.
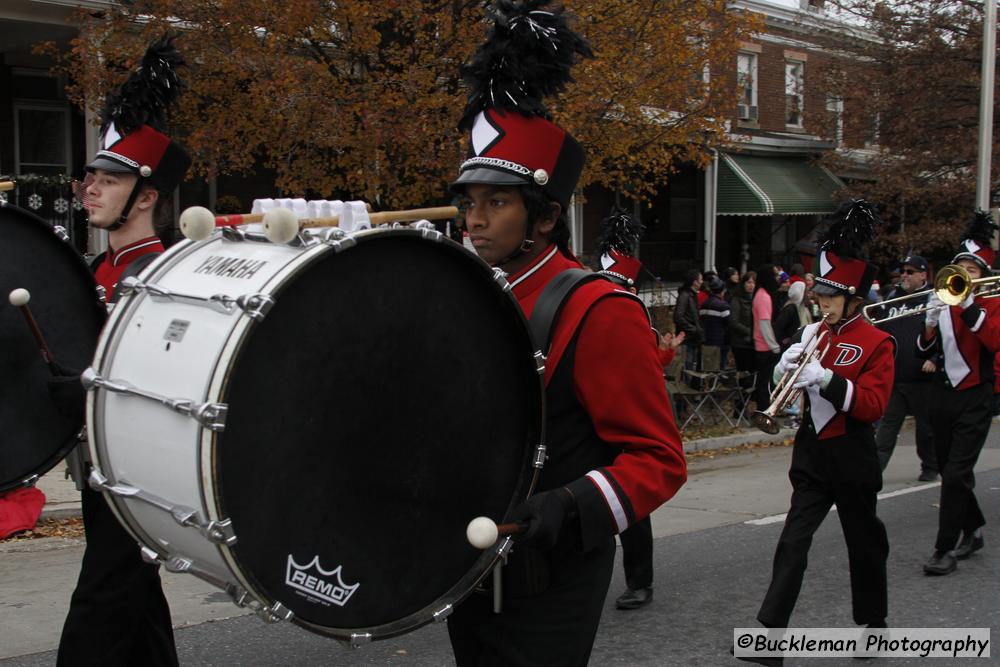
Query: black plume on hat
980,229
526,57
851,228
620,232
153,86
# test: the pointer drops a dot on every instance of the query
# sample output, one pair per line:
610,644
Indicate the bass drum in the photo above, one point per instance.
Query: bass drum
312,428
36,436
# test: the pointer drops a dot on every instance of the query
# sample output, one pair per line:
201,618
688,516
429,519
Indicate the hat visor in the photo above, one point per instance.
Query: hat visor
826,290
487,176
111,166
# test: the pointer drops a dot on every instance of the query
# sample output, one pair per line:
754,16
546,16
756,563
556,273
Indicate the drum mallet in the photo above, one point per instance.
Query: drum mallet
19,298
482,532
7,185
281,225
197,222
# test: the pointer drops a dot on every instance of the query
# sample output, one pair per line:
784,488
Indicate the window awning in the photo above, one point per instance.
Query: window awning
759,185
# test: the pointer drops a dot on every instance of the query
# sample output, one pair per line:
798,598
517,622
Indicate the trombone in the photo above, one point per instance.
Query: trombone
952,286
784,394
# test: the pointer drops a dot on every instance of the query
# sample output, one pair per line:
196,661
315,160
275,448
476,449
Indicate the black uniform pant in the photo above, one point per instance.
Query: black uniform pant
822,475
118,614
961,421
553,626
907,398
637,554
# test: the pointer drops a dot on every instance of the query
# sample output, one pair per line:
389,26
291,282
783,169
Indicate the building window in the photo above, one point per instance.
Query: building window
746,75
794,92
835,107
43,139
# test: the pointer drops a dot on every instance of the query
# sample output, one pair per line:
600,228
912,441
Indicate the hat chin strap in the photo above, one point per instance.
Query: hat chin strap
123,218
525,247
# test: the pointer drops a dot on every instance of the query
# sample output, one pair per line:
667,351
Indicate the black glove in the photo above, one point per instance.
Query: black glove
545,513
67,393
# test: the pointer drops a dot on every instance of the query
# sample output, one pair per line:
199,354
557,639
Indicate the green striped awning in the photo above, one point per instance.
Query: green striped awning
756,185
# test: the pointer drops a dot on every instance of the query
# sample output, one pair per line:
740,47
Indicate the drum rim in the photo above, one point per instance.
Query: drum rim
207,447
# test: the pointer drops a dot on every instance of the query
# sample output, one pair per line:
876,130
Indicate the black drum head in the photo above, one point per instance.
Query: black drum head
389,397
35,436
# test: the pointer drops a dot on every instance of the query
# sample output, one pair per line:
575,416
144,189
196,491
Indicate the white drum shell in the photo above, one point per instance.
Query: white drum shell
173,459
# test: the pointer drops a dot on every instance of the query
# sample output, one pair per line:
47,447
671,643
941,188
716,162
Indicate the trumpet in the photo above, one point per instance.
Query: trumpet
952,286
784,393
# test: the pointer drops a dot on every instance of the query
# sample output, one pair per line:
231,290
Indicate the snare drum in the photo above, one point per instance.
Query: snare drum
312,427
35,435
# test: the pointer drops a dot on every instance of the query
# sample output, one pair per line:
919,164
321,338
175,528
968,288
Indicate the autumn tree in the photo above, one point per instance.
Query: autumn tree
361,98
913,78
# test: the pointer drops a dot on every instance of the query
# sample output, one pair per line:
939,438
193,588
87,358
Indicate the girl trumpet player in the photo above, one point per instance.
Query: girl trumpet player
834,459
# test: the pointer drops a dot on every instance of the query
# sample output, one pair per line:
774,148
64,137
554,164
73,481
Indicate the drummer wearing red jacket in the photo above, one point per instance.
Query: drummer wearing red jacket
834,459
614,451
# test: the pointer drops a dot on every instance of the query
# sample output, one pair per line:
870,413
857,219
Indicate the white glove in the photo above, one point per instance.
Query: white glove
788,358
934,309
968,300
813,373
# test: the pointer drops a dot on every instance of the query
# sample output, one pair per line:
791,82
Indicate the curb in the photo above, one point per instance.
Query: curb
73,510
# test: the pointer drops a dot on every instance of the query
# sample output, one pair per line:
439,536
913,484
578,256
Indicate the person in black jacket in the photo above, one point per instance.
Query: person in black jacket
687,321
911,384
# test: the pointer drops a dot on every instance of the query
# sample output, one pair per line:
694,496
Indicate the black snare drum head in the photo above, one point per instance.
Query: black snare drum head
388,398
35,436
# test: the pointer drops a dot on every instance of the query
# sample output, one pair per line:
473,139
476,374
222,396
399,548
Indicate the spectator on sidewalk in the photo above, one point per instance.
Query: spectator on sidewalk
731,277
765,344
912,380
714,315
792,316
686,319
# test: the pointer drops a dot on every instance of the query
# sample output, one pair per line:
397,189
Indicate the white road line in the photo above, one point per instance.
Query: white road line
882,496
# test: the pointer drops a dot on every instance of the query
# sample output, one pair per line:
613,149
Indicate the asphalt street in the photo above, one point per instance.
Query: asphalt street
712,569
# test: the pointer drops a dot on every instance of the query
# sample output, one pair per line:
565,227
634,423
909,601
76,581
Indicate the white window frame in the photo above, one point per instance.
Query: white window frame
752,60
795,87
835,105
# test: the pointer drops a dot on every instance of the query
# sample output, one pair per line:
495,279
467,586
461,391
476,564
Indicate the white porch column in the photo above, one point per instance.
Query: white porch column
711,191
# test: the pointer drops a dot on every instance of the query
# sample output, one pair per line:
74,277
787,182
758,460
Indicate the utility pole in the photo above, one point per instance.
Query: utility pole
986,106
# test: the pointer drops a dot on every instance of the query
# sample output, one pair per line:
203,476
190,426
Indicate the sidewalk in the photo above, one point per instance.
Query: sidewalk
62,500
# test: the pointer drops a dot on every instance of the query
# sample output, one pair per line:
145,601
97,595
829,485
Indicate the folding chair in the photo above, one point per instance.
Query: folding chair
715,383
682,394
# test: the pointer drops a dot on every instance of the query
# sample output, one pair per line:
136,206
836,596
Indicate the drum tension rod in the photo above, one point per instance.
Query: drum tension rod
210,415
255,306
218,532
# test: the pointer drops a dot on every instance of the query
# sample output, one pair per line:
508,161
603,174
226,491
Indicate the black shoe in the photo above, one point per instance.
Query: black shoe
941,563
970,543
927,476
633,599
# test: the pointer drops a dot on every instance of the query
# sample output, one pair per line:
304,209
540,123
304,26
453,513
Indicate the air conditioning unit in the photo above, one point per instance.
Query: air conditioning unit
746,111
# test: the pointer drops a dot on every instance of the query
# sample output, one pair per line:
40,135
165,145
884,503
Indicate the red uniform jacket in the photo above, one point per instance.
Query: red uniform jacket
861,358
617,378
969,340
109,271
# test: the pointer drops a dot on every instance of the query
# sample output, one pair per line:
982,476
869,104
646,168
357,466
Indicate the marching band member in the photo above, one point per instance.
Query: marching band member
834,459
118,614
961,398
614,451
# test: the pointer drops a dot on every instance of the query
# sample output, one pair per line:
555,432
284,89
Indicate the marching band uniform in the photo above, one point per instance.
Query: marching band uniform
834,458
118,614
613,450
961,400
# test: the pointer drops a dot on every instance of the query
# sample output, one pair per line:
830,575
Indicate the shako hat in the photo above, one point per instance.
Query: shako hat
617,245
527,56
132,122
841,268
977,242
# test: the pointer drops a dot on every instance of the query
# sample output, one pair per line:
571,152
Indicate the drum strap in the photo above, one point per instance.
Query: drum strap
551,301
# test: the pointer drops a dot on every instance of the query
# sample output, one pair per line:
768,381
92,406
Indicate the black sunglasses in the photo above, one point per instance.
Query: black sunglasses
910,272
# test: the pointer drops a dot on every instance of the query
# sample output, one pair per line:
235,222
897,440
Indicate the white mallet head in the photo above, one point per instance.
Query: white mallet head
19,297
280,225
482,532
197,223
